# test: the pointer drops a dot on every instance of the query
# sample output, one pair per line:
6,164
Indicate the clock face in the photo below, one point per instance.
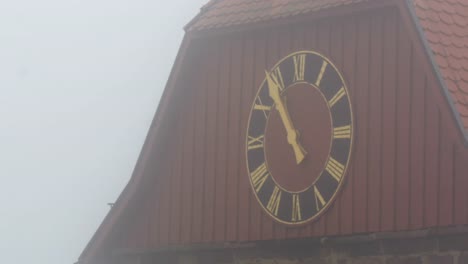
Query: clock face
299,137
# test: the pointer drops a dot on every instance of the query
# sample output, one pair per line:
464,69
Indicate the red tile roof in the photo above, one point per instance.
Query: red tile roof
223,13
445,23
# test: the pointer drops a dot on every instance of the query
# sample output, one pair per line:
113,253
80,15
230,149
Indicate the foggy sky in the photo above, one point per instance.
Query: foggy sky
80,81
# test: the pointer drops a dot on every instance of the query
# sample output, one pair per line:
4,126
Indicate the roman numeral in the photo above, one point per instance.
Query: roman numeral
261,107
335,169
299,67
342,132
277,78
259,176
337,97
319,201
296,211
274,202
321,73
255,142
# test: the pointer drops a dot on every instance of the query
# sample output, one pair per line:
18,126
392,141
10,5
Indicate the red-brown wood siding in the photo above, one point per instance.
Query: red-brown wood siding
408,170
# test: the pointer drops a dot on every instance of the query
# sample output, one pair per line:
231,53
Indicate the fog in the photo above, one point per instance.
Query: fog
80,81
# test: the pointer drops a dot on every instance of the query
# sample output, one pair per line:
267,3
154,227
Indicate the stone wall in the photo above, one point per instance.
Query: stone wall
415,248
451,249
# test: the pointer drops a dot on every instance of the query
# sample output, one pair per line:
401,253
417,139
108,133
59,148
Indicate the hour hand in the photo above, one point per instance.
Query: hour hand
292,134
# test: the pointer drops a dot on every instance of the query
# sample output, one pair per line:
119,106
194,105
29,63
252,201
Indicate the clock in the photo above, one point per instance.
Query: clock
299,138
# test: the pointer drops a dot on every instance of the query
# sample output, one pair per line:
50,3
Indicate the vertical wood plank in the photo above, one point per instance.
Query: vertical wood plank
259,70
431,161
187,169
247,92
418,83
131,235
324,46
143,234
389,121
284,37
375,121
298,43
349,71
164,210
155,193
154,230
141,226
311,43
272,49
212,73
362,125
199,96
461,183
402,184
174,175
336,54
464,169
222,130
446,175
234,138
460,164
157,218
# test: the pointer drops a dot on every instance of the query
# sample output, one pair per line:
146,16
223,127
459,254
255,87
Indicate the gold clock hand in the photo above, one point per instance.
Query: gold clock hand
291,132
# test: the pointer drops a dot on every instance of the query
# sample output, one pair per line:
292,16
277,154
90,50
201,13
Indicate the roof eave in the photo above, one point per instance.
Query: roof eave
102,233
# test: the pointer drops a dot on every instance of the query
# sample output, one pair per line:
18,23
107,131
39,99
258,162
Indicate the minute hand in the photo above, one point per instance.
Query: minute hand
291,132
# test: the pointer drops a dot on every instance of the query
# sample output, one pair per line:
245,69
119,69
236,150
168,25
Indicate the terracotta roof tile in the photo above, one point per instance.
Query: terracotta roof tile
445,25
237,12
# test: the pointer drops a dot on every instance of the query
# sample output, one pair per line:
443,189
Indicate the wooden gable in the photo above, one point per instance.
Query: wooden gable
191,187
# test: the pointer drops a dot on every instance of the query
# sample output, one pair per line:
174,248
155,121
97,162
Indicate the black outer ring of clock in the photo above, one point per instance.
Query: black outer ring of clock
310,205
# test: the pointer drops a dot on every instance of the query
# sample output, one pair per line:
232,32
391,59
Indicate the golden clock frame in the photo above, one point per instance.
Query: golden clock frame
349,156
